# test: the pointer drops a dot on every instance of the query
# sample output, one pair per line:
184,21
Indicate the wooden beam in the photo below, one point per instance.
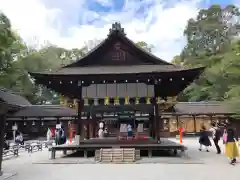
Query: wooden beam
194,121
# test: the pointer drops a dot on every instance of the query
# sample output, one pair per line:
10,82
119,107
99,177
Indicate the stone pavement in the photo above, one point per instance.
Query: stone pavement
206,167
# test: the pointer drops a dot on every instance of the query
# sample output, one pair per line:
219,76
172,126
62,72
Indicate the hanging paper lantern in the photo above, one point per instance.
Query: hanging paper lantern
86,101
106,100
116,101
148,101
158,100
62,100
95,101
136,100
126,101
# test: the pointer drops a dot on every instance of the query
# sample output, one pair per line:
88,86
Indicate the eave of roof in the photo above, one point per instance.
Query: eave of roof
44,111
211,107
13,99
113,70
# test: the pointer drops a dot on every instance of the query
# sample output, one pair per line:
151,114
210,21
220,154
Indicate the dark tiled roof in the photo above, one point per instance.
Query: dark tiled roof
13,99
131,69
44,110
216,107
118,69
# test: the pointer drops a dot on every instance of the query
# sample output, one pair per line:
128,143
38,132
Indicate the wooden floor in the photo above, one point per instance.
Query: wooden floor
95,144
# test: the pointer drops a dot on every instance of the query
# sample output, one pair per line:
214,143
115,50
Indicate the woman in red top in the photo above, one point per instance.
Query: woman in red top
53,132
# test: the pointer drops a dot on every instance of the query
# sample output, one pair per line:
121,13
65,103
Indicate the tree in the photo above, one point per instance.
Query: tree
209,40
210,33
145,46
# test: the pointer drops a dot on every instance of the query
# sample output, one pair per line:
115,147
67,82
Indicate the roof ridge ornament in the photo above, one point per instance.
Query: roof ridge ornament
116,28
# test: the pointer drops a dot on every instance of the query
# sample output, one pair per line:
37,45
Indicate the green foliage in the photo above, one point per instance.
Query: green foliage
212,41
16,60
145,46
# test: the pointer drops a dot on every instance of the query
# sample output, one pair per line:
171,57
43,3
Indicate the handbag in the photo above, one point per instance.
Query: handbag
224,138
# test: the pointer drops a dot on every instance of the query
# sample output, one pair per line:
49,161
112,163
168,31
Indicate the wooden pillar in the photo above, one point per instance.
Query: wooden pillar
211,119
94,124
194,123
79,112
177,119
156,115
157,123
151,124
88,124
2,128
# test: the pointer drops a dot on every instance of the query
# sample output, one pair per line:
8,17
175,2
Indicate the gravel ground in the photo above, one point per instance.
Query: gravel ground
198,166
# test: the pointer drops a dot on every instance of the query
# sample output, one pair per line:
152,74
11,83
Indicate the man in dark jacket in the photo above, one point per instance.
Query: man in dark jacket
216,135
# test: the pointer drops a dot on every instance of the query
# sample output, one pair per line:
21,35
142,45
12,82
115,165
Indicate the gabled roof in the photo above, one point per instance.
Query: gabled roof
210,107
13,99
44,111
117,34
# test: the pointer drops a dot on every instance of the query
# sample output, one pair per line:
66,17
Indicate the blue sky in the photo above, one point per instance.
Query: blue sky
73,23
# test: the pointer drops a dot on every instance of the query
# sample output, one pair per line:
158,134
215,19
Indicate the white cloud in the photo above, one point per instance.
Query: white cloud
162,25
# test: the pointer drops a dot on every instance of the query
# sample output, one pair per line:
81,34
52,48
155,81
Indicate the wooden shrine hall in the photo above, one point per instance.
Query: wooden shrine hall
119,76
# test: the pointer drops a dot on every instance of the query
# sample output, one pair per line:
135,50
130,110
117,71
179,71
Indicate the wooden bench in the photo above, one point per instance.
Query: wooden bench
10,152
34,146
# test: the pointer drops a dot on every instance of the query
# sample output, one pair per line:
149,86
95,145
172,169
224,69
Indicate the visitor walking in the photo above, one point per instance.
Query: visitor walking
105,132
203,139
129,132
19,139
6,145
216,135
49,135
224,137
231,148
60,136
100,130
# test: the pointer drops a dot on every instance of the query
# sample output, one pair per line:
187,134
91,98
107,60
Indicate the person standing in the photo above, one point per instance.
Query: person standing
204,140
216,135
48,135
231,148
129,132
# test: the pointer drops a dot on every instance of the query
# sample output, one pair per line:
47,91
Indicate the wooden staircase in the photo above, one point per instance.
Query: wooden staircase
117,155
